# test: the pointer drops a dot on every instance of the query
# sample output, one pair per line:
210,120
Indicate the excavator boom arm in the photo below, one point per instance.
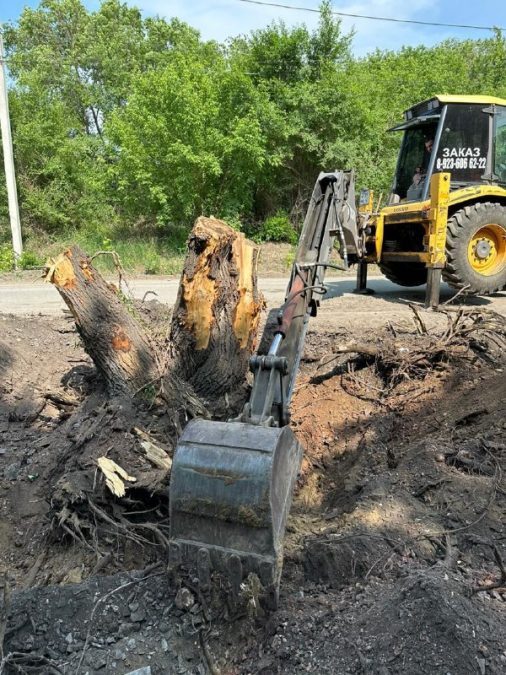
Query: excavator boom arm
331,215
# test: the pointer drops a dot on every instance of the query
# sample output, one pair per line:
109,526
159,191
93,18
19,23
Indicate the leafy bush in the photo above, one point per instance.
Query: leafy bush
28,260
233,220
6,258
152,264
277,228
174,238
290,258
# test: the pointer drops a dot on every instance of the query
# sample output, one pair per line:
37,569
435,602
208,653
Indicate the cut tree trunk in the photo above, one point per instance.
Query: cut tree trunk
201,372
120,349
217,311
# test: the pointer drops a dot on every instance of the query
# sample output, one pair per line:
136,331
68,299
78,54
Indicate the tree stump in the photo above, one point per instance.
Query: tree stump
217,311
200,372
214,326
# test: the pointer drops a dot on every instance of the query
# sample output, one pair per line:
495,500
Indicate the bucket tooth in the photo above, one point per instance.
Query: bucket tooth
204,568
235,572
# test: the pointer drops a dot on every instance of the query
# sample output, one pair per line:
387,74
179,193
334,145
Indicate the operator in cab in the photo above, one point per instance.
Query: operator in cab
420,171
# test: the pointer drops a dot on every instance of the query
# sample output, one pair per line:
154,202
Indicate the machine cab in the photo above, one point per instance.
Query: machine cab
463,135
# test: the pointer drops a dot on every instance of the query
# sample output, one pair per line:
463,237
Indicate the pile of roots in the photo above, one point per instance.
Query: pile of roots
403,355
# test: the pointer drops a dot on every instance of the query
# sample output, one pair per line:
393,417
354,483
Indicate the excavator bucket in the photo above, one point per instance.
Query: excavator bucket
230,494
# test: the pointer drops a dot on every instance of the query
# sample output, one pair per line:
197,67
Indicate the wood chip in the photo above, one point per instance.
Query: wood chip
154,453
61,398
115,476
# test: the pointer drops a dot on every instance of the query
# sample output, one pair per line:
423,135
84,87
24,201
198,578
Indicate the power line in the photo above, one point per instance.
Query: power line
373,18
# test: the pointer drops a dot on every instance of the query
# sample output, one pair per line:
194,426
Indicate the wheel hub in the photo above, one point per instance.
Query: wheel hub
487,249
483,249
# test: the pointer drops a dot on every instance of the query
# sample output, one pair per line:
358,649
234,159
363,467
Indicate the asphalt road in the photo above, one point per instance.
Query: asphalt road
39,298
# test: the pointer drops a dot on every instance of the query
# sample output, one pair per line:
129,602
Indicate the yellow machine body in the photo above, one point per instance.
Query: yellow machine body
423,213
464,184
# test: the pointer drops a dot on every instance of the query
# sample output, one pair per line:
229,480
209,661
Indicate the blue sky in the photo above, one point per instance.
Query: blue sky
220,19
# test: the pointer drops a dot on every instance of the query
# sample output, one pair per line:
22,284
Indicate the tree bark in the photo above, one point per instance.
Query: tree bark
217,311
120,349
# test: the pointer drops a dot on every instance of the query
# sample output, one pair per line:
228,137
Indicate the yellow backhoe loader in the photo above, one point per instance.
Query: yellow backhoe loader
447,209
232,482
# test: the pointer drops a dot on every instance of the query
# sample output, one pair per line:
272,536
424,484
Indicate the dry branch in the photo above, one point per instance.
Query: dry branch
502,579
468,334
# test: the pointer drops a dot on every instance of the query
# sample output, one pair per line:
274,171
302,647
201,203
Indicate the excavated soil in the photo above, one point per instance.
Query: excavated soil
396,544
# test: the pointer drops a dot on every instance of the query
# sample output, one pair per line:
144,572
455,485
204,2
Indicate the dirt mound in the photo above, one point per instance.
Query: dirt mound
422,623
108,624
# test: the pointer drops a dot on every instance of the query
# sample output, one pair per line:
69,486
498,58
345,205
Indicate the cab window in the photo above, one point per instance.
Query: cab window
414,160
464,143
500,145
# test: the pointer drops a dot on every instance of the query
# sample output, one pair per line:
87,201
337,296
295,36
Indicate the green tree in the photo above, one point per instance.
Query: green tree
301,73
189,141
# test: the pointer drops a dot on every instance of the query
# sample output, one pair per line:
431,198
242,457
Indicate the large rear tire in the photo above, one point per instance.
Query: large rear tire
405,273
476,248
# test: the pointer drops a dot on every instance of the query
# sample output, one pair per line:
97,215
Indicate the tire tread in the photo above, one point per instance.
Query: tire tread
461,226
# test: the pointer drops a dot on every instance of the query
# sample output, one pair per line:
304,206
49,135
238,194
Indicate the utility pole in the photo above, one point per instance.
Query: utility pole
10,175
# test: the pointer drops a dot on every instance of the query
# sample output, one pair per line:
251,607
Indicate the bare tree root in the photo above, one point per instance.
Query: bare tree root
88,523
502,579
29,663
